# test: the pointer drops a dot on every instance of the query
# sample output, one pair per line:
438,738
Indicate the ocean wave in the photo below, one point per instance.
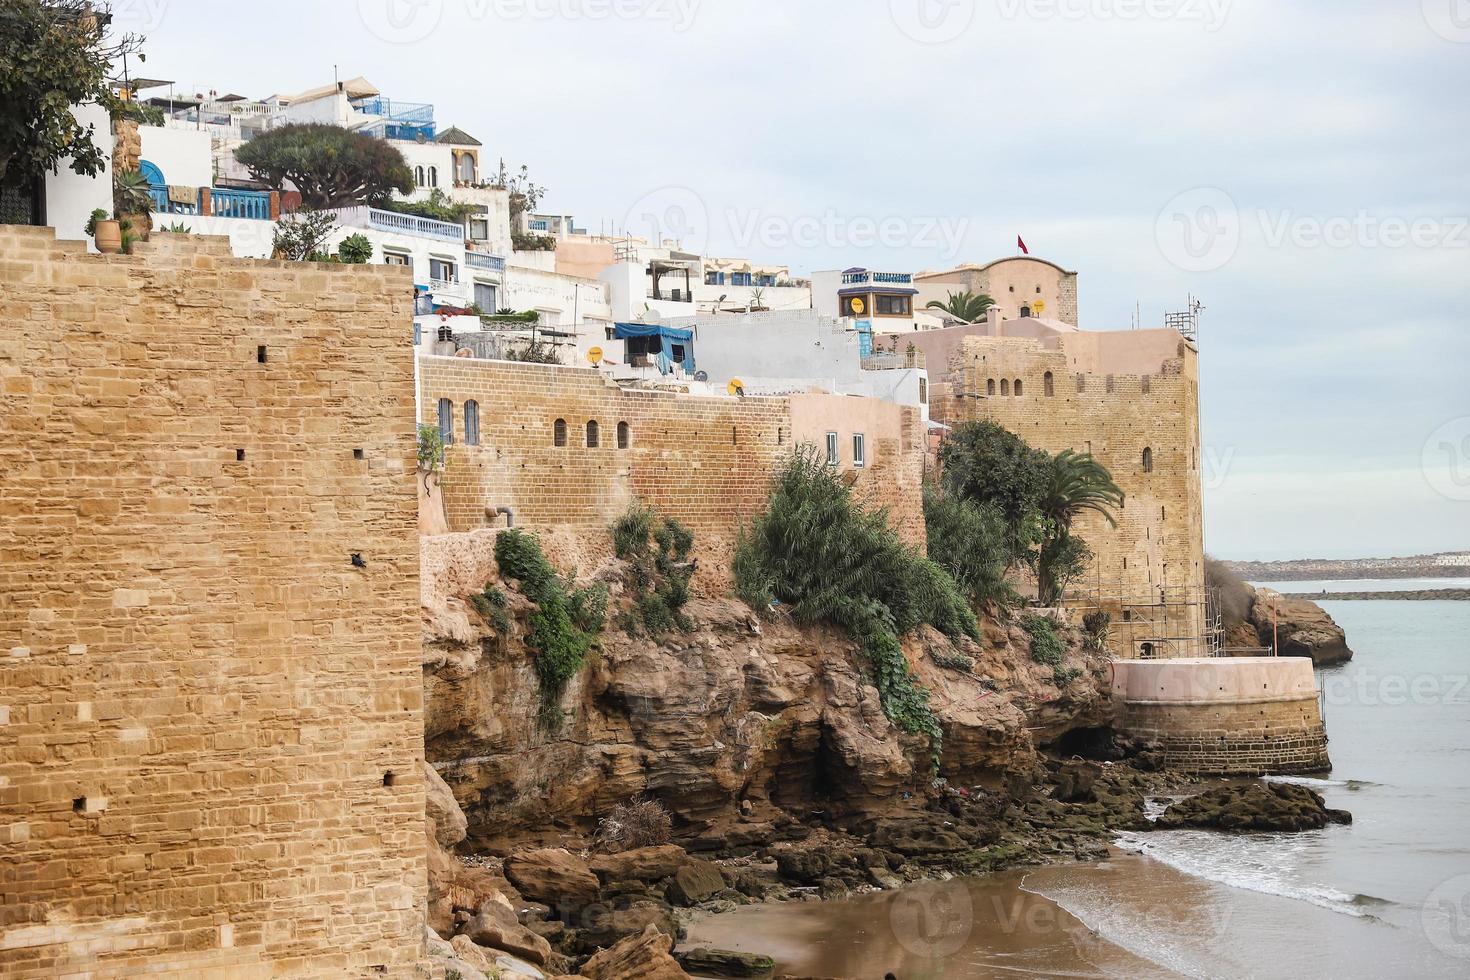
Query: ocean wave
1316,783
1259,866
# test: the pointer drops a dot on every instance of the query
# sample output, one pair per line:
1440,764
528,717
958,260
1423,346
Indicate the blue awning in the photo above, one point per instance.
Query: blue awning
624,330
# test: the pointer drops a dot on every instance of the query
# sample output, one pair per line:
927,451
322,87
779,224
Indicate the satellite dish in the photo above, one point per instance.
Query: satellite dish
701,375
735,387
651,316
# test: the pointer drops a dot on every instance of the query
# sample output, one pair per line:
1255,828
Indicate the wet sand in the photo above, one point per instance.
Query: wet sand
965,928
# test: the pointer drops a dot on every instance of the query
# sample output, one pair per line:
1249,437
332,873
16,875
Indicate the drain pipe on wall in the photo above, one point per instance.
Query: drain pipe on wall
510,515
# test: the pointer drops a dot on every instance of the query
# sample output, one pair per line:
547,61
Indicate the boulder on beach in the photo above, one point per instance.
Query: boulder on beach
1253,806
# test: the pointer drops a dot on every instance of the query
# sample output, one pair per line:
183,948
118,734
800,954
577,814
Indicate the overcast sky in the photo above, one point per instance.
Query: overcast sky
1303,168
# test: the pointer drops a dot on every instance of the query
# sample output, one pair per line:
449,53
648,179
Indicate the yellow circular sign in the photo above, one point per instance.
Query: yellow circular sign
1038,306
595,355
857,304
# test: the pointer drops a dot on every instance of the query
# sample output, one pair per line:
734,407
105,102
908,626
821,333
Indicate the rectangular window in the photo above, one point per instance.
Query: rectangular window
485,297
479,229
893,305
442,269
395,258
859,450
831,449
923,391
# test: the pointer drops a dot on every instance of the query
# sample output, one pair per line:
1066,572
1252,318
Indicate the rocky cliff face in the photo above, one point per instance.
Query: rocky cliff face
1304,628
741,726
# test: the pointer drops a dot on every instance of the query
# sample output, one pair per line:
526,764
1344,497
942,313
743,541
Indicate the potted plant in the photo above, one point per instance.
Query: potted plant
132,199
105,231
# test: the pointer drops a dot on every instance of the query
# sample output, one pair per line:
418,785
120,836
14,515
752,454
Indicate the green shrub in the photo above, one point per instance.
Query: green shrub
1048,647
660,578
355,249
969,541
431,449
491,605
559,640
830,560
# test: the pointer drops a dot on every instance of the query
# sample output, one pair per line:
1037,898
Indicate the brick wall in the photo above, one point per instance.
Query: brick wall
1159,538
1270,737
210,720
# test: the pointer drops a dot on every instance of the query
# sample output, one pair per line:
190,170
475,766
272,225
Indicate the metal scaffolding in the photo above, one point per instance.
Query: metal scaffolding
1154,622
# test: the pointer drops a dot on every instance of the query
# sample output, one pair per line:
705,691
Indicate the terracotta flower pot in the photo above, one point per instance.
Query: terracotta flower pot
108,235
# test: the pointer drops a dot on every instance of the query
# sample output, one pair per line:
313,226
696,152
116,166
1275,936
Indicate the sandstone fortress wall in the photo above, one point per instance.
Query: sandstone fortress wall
211,724
1143,427
706,461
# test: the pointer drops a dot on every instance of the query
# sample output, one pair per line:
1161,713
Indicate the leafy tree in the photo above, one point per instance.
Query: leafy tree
332,167
988,465
53,54
969,541
300,236
1076,482
967,306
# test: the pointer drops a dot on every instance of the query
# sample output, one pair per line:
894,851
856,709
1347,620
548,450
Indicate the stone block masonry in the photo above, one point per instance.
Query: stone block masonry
706,461
210,717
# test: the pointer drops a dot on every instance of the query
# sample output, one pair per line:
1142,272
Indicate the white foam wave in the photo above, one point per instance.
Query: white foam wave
1317,783
1262,865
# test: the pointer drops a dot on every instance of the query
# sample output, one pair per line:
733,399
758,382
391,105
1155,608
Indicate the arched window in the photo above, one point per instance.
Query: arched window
471,423
591,433
446,420
433,176
559,432
1146,652
1018,388
1048,385
418,176
990,386
1005,386
625,435
1148,459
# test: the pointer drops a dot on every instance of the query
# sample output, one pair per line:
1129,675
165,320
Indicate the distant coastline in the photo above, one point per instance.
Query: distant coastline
1456,594
1443,565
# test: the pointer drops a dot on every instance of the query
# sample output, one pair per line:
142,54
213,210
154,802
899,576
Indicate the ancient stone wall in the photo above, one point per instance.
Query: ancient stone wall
706,461
1143,428
210,715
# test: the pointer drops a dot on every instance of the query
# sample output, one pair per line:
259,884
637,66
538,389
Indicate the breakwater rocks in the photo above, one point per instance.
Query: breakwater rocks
1459,595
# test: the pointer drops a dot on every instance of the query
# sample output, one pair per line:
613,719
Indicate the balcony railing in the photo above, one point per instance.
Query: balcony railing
227,203
399,112
162,204
889,278
412,224
888,361
482,260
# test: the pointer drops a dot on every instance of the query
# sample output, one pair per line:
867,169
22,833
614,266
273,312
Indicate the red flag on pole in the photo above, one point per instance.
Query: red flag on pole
1022,246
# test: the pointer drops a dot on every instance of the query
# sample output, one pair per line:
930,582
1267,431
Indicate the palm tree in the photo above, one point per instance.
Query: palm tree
967,307
1076,482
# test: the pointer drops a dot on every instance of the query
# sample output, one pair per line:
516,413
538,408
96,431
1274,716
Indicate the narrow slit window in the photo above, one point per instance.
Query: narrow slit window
625,435
859,449
446,420
471,423
559,432
831,449
1148,459
592,434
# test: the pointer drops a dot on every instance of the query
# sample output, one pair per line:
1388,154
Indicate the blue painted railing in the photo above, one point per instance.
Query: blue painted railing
538,224
412,224
403,112
480,260
900,278
227,203
162,205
